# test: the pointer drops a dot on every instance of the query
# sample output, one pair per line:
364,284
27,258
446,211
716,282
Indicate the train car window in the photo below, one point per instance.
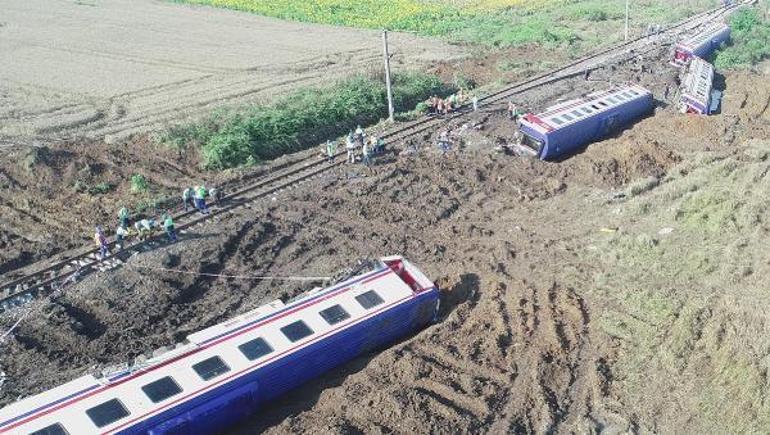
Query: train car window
601,103
577,113
254,349
612,100
54,429
334,315
296,331
210,368
557,121
627,95
369,299
107,413
567,117
161,389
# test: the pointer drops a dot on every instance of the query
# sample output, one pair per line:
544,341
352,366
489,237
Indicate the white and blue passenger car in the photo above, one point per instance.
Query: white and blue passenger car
228,371
567,127
697,87
702,44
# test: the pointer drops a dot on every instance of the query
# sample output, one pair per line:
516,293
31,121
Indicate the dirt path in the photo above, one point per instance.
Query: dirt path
142,64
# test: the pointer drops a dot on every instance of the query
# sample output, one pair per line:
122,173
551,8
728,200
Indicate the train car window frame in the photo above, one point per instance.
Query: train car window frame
334,314
557,121
577,114
161,389
107,413
255,349
296,331
369,299
54,429
210,368
612,100
567,117
602,104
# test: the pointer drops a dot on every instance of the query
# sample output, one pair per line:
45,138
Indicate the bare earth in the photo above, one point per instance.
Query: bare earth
112,67
622,290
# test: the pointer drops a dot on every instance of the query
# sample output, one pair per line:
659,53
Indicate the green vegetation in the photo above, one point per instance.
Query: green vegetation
101,188
138,183
750,40
499,23
300,120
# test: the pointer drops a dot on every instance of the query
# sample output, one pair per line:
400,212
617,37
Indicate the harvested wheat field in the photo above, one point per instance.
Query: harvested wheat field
114,68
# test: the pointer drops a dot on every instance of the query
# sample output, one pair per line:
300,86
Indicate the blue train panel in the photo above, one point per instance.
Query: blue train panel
568,127
240,398
702,45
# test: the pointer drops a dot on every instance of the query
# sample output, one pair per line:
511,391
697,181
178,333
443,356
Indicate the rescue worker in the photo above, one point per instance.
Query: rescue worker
168,225
511,110
144,228
350,146
331,150
379,145
123,217
215,194
454,102
101,243
432,105
666,92
365,154
200,199
475,101
120,236
360,134
440,107
187,199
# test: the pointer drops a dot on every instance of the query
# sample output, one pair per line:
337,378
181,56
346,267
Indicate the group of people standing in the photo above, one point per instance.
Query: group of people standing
195,198
143,229
355,142
445,106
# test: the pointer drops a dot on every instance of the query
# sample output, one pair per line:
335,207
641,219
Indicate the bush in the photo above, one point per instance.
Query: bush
302,119
750,41
138,183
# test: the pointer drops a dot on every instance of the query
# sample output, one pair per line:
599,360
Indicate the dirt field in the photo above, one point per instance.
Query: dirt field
618,291
113,68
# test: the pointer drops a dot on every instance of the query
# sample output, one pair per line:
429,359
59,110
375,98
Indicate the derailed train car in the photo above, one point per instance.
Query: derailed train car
228,371
702,44
697,87
567,127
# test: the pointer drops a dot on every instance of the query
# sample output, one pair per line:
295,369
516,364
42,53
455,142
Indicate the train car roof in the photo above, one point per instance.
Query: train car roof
705,35
68,402
698,81
570,112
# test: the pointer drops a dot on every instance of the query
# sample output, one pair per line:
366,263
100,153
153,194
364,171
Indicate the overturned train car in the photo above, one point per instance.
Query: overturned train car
702,44
567,127
697,88
228,371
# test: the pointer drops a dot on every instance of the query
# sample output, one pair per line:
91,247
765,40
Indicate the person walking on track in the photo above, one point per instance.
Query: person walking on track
123,217
101,243
187,199
168,225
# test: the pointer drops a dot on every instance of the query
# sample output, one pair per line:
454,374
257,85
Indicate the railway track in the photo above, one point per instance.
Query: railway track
32,282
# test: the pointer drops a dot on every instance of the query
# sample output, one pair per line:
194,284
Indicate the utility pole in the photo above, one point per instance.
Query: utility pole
627,1
391,110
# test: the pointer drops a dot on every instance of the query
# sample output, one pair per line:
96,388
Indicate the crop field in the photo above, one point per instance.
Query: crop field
501,23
